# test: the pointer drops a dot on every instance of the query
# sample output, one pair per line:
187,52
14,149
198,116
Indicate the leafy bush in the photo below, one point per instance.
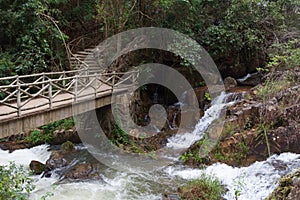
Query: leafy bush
36,137
286,55
15,183
45,133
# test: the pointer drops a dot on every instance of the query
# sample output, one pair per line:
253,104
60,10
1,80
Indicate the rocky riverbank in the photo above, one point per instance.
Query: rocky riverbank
265,122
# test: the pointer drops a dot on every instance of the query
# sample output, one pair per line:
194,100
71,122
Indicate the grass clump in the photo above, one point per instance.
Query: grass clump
270,88
205,188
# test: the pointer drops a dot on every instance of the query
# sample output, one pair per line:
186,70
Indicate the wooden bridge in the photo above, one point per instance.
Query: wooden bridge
29,101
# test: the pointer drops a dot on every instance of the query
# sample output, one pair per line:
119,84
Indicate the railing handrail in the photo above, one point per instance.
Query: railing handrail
73,82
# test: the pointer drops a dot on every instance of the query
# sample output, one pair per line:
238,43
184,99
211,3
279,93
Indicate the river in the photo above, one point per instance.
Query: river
255,182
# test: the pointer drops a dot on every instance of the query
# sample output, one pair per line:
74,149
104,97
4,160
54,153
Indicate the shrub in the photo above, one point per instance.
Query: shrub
45,133
15,183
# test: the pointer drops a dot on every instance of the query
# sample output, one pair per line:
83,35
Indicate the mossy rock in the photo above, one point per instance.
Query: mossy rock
288,187
37,167
68,147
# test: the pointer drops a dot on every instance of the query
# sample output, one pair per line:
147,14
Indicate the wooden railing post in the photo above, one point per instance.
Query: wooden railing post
64,81
43,80
50,94
114,78
18,97
76,87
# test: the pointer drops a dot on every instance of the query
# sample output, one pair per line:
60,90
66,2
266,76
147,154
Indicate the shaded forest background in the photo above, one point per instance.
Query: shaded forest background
249,35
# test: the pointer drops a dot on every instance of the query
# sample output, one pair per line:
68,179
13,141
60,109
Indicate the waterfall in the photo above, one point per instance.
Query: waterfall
174,121
183,141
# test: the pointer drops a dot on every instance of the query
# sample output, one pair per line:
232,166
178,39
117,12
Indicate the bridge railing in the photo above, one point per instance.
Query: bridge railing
49,88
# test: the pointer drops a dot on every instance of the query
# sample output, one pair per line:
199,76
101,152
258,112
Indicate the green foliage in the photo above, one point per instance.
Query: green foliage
238,186
45,133
199,153
36,137
191,155
286,55
271,87
229,130
119,136
15,183
48,194
207,96
60,124
205,188
32,42
248,125
239,152
240,29
286,186
219,155
6,65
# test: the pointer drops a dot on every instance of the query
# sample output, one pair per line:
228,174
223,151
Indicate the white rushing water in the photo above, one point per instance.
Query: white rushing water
24,156
183,141
254,182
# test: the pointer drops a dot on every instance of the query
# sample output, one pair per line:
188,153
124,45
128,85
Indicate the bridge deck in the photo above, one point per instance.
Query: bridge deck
41,104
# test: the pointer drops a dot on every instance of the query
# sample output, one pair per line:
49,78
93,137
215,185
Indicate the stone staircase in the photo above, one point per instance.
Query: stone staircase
86,59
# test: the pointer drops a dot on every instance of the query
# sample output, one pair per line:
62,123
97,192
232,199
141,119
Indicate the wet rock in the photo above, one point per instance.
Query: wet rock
252,125
229,83
200,93
293,112
57,160
20,141
14,145
37,167
288,187
171,197
61,136
84,171
68,147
